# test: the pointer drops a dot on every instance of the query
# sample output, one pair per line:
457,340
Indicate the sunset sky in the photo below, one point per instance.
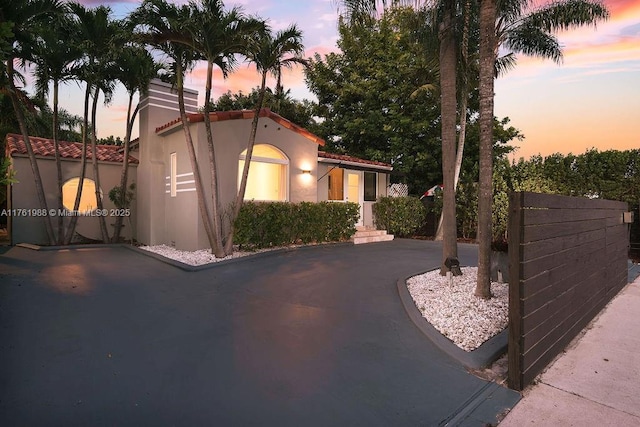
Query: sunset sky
591,100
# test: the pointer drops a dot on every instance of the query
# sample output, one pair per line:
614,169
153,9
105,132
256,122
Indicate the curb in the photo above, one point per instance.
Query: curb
195,268
479,358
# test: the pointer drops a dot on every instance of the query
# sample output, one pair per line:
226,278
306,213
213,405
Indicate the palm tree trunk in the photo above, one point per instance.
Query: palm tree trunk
448,120
32,157
279,90
83,169
202,202
464,90
464,95
217,249
124,175
487,67
56,145
96,172
247,162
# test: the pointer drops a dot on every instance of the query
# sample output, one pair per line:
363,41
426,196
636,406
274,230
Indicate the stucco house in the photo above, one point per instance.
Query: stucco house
287,165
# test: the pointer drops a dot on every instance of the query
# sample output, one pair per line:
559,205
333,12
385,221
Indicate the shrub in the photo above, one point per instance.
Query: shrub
400,216
268,224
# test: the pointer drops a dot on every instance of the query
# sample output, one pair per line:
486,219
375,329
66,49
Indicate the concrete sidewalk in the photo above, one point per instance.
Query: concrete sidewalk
596,382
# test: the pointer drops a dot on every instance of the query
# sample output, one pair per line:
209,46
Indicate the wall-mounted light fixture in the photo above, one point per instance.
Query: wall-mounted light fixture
306,172
627,217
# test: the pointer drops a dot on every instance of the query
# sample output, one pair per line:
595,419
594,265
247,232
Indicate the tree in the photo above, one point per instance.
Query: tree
299,112
378,97
466,72
218,35
98,33
166,27
485,190
135,69
448,109
520,31
55,52
111,140
269,53
21,19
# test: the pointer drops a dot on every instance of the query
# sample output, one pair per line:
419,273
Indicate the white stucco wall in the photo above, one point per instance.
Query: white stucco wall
31,229
183,225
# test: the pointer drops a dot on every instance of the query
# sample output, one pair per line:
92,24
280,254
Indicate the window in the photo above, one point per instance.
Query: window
336,184
88,201
370,186
174,174
267,180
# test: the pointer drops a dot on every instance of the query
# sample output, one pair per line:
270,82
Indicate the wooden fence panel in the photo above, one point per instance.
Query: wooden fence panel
567,259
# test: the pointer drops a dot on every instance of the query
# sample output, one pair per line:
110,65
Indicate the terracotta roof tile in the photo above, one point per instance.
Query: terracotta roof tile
219,116
345,158
68,150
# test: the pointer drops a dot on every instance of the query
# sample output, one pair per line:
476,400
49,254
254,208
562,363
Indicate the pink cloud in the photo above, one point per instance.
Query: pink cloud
244,79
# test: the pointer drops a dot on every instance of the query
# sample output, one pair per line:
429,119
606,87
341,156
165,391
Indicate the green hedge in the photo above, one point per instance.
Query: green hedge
268,224
400,216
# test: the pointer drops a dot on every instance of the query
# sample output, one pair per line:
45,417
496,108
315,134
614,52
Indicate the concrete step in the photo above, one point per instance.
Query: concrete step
370,235
372,239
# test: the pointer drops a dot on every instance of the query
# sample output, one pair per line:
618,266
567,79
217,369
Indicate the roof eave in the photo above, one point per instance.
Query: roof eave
169,129
73,159
356,164
242,115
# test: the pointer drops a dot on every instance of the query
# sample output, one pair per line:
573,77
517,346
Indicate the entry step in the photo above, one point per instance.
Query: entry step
370,235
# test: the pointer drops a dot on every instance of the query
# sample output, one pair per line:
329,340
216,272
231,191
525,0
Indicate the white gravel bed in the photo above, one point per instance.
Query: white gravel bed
455,312
200,257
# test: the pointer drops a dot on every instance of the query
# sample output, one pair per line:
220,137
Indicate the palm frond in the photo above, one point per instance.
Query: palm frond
426,88
512,10
504,64
565,14
533,41
357,11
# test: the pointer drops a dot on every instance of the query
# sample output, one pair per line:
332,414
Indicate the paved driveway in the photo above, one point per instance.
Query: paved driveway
316,336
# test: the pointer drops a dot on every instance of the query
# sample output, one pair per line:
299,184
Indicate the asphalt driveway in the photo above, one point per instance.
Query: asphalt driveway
315,336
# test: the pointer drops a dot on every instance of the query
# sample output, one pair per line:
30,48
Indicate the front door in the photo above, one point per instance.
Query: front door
354,191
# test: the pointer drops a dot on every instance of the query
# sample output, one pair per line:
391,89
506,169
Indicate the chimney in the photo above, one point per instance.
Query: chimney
158,107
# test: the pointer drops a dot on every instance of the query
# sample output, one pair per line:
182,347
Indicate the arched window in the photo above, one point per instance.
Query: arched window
268,174
88,202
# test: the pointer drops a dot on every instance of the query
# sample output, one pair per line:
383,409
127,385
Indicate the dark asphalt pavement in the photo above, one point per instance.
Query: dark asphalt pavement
311,337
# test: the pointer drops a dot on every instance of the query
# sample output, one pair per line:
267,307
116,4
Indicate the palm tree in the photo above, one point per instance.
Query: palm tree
448,111
21,19
55,53
167,27
520,30
136,68
218,36
97,31
485,190
269,54
466,71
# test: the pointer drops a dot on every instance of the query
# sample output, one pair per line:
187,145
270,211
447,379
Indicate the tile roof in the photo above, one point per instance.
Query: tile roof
68,150
219,116
351,159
